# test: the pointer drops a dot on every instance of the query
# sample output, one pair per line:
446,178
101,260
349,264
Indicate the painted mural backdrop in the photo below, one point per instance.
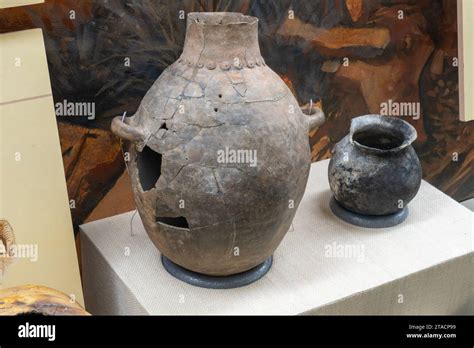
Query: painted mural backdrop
351,57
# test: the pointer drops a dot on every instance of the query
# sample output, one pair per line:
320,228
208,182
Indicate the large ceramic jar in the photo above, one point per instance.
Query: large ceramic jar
374,170
219,154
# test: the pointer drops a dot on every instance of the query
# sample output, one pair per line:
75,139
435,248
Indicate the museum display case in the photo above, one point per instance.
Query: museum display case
243,157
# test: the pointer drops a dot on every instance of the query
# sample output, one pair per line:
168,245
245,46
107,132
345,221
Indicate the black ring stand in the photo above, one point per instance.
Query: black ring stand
215,282
368,221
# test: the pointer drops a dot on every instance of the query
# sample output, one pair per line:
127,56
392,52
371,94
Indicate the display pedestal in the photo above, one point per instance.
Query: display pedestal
323,266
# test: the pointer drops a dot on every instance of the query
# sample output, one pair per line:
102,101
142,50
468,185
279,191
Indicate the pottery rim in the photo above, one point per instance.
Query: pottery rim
387,123
221,18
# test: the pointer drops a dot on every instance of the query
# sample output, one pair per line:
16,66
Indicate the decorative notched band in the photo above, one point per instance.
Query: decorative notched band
237,63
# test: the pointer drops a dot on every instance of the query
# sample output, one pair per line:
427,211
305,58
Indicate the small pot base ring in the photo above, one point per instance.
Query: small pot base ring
216,282
368,221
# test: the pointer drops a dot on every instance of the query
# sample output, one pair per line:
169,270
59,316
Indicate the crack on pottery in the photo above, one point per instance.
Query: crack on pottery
200,126
219,188
169,182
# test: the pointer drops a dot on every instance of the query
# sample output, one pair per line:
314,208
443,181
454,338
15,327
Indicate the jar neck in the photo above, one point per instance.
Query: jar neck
221,40
378,134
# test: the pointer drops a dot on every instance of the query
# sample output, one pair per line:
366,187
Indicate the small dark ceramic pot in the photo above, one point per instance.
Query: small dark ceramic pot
374,170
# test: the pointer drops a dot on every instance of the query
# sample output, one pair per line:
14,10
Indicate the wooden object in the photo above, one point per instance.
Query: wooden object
37,300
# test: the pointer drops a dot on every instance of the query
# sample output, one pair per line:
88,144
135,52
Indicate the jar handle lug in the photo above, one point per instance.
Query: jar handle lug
121,127
314,116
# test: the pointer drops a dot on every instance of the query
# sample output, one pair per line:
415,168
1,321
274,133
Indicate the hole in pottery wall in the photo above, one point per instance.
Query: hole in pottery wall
220,95
179,221
216,109
378,138
149,168
163,126
309,111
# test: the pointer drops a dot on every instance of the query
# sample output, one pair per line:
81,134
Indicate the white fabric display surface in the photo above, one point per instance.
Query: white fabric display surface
323,265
